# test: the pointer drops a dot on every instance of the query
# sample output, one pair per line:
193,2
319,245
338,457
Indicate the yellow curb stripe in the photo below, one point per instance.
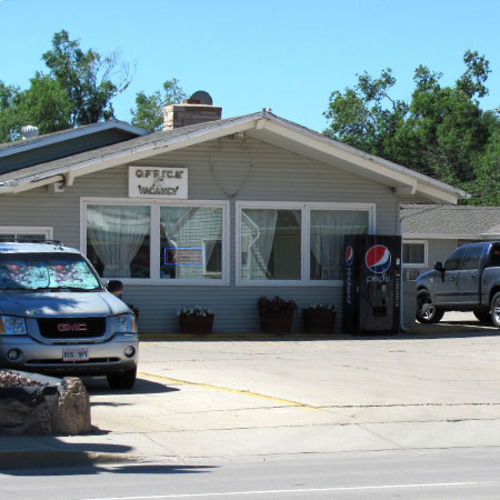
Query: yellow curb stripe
242,392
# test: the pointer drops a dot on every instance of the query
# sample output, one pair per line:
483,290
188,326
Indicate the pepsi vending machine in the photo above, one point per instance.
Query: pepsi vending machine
372,283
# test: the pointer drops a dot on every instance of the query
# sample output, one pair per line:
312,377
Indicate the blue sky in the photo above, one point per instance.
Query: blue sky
286,55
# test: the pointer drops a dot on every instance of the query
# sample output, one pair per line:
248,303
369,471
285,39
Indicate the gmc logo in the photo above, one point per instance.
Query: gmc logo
71,327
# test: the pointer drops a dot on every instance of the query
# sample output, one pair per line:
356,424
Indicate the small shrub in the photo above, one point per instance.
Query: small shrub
277,304
196,311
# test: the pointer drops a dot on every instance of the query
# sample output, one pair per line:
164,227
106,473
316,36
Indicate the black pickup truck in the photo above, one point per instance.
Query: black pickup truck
469,280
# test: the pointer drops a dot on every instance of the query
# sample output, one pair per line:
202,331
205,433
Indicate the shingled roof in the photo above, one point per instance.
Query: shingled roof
449,222
264,126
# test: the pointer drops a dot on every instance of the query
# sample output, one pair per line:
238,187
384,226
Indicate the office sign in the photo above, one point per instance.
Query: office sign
158,182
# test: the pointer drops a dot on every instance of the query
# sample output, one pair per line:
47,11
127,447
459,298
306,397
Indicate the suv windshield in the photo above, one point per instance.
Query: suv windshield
31,271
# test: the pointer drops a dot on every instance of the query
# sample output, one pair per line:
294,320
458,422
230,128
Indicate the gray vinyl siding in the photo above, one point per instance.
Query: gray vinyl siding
219,170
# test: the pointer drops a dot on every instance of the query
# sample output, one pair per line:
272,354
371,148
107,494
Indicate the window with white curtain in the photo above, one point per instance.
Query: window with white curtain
190,239
161,242
118,240
327,231
272,244
296,242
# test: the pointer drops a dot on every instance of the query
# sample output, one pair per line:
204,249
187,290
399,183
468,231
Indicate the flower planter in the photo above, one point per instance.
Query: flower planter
199,325
319,321
278,323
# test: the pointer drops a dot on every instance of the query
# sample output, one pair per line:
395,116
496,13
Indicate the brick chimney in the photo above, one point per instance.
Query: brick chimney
197,109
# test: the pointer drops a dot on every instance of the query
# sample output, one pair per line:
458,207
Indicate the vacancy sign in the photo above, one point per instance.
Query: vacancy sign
158,182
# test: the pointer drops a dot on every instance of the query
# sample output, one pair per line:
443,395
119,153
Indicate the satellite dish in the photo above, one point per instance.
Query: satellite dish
202,97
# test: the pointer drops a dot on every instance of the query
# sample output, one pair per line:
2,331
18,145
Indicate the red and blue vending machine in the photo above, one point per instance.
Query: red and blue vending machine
372,284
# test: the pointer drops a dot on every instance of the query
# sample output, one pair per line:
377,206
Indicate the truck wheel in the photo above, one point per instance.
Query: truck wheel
122,380
495,310
483,316
427,312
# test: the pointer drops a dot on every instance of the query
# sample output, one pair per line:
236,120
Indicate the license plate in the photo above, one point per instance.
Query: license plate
75,354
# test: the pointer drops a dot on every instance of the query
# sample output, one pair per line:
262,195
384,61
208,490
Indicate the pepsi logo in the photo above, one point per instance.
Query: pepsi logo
349,255
378,259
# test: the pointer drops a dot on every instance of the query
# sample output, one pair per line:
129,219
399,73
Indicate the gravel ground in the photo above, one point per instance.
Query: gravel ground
12,379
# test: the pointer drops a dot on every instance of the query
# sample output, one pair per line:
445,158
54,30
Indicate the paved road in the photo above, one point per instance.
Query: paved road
430,474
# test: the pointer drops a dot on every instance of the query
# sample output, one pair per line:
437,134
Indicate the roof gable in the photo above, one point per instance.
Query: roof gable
264,126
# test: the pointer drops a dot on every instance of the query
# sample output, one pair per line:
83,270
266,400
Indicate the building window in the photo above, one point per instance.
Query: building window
8,233
118,240
328,228
296,243
181,242
415,253
191,242
272,244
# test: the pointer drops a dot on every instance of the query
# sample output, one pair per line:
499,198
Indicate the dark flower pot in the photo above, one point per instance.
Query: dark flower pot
319,321
199,325
276,322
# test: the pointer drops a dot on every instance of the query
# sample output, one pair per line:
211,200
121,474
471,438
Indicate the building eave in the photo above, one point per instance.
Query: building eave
263,126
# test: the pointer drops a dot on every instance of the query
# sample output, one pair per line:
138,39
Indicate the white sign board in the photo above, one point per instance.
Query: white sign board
158,182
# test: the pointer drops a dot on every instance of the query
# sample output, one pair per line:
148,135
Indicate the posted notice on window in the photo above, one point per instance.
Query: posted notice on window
158,182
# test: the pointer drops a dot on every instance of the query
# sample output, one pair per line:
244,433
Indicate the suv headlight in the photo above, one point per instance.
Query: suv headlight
12,325
124,323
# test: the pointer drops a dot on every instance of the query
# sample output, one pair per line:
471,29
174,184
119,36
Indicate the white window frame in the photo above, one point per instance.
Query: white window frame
18,231
426,253
154,249
305,242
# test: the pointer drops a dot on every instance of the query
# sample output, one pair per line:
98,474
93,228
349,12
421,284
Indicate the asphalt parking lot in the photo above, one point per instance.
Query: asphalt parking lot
207,397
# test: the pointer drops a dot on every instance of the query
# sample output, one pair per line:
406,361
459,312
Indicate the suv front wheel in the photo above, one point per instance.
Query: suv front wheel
122,380
427,312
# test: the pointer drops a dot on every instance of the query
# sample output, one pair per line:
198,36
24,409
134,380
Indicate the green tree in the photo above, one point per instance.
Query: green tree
77,90
441,131
7,96
86,78
148,112
485,188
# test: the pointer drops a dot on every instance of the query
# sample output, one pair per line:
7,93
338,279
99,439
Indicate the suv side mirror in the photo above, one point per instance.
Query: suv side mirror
438,266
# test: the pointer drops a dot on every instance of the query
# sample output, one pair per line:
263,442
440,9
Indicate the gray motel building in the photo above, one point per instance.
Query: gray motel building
209,211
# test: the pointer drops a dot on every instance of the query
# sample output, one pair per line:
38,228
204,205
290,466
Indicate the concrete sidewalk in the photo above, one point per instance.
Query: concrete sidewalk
229,398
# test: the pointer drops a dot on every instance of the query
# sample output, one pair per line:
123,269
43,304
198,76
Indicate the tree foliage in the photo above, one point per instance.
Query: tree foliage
148,112
86,78
440,132
77,90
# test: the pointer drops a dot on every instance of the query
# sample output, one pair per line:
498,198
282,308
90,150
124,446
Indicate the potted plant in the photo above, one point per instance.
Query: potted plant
198,320
276,315
319,318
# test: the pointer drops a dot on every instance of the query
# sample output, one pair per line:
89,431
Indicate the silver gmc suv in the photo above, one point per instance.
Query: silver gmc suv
57,317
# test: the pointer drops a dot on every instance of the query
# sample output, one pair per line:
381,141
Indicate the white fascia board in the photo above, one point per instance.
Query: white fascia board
490,236
129,155
441,236
439,195
393,174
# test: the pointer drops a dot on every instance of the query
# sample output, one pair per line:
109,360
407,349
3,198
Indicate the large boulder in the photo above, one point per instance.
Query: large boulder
35,404
72,415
